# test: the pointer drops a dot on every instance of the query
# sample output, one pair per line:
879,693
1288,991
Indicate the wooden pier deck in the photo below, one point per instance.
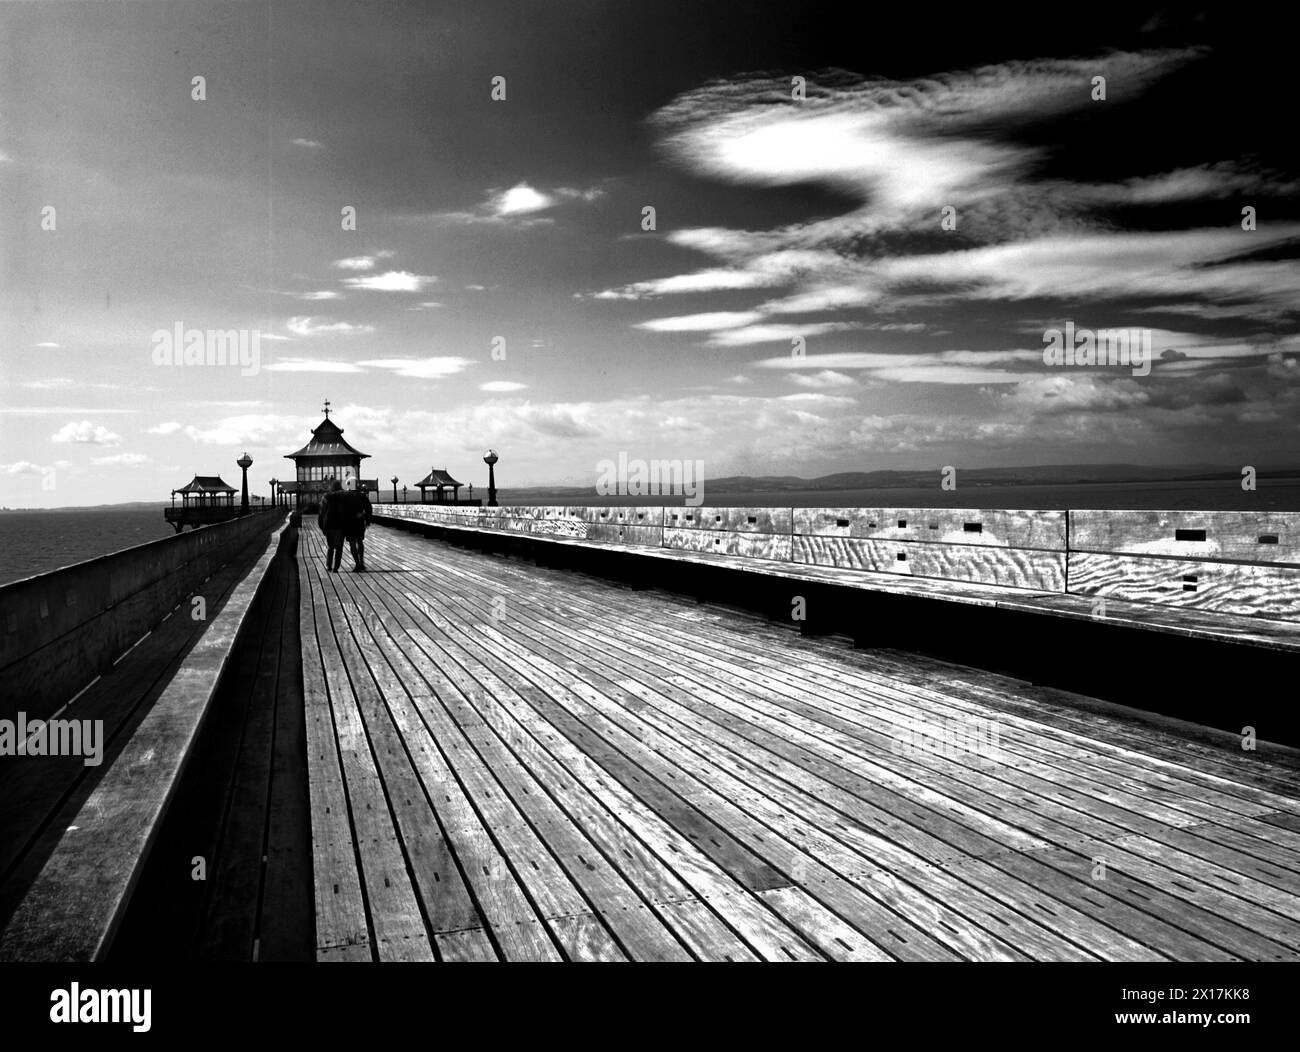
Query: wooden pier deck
513,762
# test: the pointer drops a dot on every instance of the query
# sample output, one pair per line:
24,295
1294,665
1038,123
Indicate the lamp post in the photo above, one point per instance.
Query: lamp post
274,499
403,494
394,489
490,458
245,462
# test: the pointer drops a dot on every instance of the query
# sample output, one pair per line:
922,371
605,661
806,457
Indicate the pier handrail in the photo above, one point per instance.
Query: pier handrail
1216,575
59,630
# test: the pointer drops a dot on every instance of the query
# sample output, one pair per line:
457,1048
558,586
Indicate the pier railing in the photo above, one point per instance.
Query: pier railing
63,628
1234,564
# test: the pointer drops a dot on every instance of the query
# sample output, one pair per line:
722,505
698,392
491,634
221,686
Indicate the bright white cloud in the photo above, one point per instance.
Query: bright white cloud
701,322
421,368
520,199
305,326
502,386
391,281
310,365
85,433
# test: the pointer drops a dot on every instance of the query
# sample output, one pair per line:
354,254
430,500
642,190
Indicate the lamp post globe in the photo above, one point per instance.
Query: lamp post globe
490,458
394,481
245,462
275,498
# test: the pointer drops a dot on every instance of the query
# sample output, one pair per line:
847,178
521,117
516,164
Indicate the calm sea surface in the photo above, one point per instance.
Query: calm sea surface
34,542
1271,495
38,541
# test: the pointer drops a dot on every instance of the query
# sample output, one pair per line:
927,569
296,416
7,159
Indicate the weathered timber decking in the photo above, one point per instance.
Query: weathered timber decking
513,762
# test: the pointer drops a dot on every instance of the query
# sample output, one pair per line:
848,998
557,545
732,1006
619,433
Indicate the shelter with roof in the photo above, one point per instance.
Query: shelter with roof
438,480
327,458
204,500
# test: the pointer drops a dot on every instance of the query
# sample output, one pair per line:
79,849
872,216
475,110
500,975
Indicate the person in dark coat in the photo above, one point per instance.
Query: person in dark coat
357,517
331,520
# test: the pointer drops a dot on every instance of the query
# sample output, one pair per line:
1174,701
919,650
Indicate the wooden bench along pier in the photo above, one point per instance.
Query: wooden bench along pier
645,733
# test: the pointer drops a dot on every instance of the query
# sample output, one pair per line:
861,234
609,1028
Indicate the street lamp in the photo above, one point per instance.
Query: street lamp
490,458
274,498
394,489
403,494
245,462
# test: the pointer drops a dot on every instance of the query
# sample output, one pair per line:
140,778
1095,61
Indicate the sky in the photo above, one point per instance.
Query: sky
864,234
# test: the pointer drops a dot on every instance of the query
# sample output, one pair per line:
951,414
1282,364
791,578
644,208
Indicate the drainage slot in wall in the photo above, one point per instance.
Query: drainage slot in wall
1189,535
902,524
973,527
844,522
1268,538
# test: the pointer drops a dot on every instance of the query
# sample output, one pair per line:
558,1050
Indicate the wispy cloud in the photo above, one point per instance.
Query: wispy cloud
311,365
363,262
306,326
434,368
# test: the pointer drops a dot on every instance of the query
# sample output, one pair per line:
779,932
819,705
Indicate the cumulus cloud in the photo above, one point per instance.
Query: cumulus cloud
22,467
121,460
85,433
502,386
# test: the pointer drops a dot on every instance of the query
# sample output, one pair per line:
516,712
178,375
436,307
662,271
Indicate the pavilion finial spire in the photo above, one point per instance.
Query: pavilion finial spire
327,409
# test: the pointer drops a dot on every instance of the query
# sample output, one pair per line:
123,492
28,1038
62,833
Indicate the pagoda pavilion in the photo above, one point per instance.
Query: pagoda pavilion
204,500
327,458
438,481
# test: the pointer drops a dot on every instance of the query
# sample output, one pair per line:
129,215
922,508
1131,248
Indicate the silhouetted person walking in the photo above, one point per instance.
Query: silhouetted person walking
332,519
358,513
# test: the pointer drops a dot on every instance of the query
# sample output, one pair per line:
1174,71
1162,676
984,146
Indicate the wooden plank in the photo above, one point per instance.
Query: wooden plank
1045,530
1226,588
774,547
1004,878
831,886
342,924
393,905
1263,536
980,564
536,741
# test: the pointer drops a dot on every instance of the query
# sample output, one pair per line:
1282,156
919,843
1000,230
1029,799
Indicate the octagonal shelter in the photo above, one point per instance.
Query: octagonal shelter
326,458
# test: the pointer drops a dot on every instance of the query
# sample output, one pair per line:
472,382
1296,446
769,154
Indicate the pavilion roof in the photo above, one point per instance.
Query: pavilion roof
327,441
437,477
207,484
